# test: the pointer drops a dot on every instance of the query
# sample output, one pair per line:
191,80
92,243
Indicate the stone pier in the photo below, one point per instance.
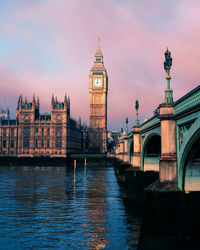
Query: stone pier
168,162
136,148
126,148
121,149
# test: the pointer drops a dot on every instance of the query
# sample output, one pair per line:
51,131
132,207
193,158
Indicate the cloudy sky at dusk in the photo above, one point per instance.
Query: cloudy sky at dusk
48,46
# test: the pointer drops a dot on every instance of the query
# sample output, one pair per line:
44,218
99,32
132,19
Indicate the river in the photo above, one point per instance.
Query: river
57,208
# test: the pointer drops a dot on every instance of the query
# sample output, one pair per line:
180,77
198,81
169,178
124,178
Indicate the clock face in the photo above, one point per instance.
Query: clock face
97,82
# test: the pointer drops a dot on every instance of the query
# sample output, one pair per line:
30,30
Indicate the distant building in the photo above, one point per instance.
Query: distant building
115,135
4,113
33,134
113,139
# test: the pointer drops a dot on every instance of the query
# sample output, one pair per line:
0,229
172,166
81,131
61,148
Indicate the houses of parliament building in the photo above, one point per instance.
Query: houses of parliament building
32,134
56,134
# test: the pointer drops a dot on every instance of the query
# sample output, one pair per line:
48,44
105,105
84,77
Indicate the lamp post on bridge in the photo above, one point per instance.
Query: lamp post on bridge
167,67
168,159
126,125
136,140
126,145
137,108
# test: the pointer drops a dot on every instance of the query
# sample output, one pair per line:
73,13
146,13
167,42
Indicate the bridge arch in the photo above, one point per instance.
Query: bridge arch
131,151
151,151
189,162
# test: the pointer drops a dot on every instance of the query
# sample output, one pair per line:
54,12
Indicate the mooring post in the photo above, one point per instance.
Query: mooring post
85,164
74,171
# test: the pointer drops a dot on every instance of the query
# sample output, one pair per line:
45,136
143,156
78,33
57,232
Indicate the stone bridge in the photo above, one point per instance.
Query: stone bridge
168,142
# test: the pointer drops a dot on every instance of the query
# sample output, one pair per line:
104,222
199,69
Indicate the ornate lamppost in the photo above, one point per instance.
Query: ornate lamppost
137,108
167,67
126,125
168,158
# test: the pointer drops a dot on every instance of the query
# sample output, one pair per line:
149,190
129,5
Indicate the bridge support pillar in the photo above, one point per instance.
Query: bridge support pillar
126,148
121,148
117,152
168,160
136,147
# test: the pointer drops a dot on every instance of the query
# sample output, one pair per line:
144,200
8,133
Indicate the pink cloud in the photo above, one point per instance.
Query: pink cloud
133,47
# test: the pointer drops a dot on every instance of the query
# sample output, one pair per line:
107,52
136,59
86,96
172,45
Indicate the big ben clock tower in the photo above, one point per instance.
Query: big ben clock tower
98,88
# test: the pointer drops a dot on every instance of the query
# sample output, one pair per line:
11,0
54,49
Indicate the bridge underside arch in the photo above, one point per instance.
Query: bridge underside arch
131,152
191,164
151,155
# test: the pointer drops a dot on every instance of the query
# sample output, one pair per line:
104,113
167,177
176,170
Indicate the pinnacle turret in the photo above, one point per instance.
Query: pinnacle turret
98,52
98,58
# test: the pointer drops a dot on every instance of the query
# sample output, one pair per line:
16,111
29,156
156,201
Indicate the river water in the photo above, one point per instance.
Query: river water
57,208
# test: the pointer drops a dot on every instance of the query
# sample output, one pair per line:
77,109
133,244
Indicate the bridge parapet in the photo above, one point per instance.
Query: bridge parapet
188,101
153,121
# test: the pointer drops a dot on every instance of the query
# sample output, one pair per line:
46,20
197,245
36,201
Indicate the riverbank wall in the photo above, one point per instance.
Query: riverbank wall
32,161
81,159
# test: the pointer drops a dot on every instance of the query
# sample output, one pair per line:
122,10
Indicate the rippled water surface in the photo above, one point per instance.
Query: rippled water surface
50,207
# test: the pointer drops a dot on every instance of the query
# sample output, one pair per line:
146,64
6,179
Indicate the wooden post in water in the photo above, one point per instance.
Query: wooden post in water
74,176
85,164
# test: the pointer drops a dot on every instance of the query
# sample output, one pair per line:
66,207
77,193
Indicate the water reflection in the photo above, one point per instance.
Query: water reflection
96,222
55,207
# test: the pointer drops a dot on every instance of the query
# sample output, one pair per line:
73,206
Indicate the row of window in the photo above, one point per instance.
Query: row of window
12,143
37,142
27,131
27,152
26,117
42,131
12,132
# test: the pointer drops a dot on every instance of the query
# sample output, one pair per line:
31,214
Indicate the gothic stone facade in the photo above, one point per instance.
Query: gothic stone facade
32,134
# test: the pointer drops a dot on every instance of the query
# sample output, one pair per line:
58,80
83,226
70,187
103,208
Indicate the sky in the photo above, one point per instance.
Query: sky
48,46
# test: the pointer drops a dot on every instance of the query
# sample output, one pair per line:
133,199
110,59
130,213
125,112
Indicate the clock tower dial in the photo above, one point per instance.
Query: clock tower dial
97,82
98,88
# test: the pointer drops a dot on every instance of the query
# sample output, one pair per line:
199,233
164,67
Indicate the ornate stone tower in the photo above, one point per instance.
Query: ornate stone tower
98,89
